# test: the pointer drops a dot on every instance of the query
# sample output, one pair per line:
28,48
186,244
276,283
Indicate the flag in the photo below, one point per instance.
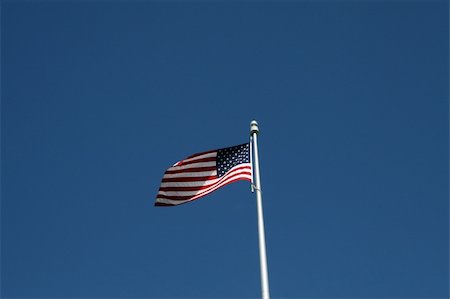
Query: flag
203,173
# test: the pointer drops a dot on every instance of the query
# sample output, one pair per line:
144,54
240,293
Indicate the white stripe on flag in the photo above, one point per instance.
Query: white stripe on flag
199,183
208,155
234,173
190,174
193,165
177,202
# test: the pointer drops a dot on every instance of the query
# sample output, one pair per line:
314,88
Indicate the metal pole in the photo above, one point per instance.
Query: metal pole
254,130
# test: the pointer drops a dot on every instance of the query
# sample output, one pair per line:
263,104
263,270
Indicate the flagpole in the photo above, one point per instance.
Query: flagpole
254,130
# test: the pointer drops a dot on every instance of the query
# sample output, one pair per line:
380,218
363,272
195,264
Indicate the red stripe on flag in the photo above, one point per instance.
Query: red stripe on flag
189,179
221,185
199,154
236,170
181,198
162,204
210,159
195,188
194,169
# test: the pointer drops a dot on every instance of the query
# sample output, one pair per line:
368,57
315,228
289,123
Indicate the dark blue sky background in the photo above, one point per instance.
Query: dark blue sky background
99,98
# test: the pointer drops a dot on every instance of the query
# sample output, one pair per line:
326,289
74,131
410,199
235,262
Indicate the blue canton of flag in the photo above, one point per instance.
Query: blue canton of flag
229,157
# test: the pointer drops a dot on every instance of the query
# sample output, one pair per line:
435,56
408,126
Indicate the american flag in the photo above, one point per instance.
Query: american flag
203,173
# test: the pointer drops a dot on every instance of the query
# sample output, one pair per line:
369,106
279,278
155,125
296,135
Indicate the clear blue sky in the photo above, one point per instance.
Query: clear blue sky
99,98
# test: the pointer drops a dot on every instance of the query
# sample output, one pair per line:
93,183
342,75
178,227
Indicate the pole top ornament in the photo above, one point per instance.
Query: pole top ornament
254,127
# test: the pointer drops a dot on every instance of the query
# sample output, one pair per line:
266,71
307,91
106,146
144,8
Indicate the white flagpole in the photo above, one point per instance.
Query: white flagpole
262,239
